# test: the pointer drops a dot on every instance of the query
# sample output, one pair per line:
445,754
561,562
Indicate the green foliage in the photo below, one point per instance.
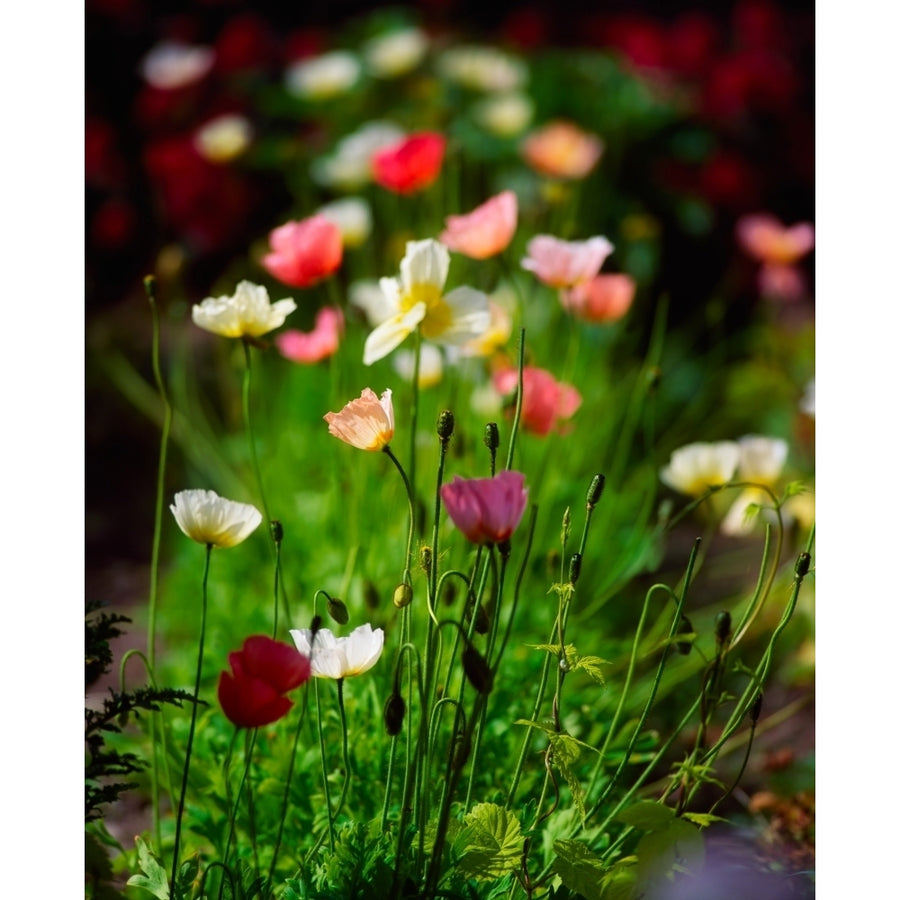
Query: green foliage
490,842
154,879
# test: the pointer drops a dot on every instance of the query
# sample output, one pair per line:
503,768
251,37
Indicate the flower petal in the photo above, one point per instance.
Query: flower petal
390,334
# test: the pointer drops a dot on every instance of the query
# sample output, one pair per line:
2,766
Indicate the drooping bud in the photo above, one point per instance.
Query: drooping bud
595,491
448,592
370,595
276,530
477,670
756,708
403,595
802,565
684,627
574,568
491,436
337,609
150,287
723,627
394,713
445,425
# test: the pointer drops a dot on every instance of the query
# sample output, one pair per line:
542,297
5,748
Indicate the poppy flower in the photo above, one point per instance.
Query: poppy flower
262,672
760,461
410,165
486,510
305,252
207,518
484,232
316,345
605,298
696,467
563,264
366,423
546,402
767,240
416,300
340,657
249,312
562,150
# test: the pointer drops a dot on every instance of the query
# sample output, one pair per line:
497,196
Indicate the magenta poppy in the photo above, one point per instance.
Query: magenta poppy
486,510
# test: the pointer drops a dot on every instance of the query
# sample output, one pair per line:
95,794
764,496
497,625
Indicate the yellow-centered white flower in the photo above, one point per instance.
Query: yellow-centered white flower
416,300
249,312
207,518
340,657
694,468
761,461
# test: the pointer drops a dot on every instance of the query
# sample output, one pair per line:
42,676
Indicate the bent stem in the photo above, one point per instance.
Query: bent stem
190,743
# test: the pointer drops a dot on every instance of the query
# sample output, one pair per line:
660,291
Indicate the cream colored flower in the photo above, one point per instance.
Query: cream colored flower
353,217
761,461
207,518
172,65
224,138
694,468
416,300
395,53
350,166
340,657
248,312
483,68
431,365
505,115
323,77
366,423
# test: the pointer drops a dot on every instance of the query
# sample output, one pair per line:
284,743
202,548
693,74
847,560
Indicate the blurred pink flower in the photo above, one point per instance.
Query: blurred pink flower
546,402
563,264
767,240
486,231
486,510
605,298
781,282
411,164
366,423
562,150
305,252
316,345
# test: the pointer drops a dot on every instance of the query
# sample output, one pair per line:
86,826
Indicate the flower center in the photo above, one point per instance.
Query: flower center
438,314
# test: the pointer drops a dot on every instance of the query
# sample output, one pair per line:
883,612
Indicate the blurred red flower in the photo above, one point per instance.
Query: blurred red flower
411,164
546,402
305,252
605,298
263,671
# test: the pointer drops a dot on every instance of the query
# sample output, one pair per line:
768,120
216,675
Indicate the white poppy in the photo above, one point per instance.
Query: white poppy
207,518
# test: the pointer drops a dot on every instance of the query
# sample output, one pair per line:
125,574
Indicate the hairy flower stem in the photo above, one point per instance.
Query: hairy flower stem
414,416
150,288
249,426
190,743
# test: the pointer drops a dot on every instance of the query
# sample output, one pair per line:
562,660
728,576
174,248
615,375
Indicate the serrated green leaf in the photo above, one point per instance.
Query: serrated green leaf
492,842
591,665
154,880
579,869
704,820
647,815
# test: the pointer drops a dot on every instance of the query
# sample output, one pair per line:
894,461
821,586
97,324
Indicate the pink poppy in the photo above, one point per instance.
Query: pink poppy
546,402
563,264
764,238
318,344
411,164
366,423
781,282
486,231
605,298
305,252
486,510
562,150
262,672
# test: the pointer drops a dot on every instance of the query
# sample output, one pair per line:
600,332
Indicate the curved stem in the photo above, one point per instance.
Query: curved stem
249,426
518,413
407,578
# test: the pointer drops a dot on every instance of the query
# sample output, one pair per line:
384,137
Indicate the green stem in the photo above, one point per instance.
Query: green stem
407,578
249,426
190,743
518,414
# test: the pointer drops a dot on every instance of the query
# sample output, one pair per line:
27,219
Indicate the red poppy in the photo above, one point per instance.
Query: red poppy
264,670
411,164
304,252
546,402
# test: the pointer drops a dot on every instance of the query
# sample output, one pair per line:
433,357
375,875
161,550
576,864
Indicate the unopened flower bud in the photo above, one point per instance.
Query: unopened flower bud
276,529
394,713
461,751
756,708
802,565
491,436
150,287
402,595
477,670
684,627
314,626
337,609
566,526
723,627
598,482
370,595
445,424
425,559
574,568
448,593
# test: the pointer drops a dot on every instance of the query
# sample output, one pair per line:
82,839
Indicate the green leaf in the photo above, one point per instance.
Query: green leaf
704,820
647,815
579,869
619,882
591,665
491,841
566,751
154,879
678,847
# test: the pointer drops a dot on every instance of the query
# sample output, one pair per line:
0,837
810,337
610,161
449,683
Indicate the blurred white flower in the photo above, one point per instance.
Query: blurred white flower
249,312
761,461
349,167
808,403
483,68
323,77
207,518
694,468
340,657
486,401
505,115
172,65
353,216
431,365
395,53
368,297
224,138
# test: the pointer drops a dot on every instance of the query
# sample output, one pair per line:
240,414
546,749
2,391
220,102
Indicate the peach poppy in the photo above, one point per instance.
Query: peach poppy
563,264
305,252
411,164
366,423
562,150
546,402
767,240
318,344
484,232
605,298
